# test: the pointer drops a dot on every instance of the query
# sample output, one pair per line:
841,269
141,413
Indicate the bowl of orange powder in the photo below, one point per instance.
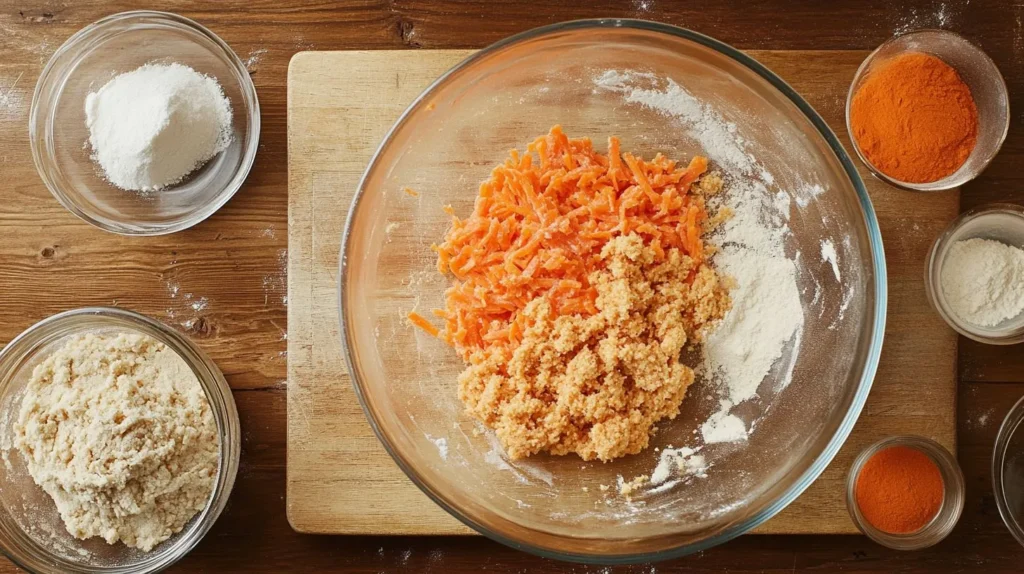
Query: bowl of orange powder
927,111
905,492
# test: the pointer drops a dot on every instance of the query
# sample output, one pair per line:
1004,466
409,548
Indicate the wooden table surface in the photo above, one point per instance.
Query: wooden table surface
223,281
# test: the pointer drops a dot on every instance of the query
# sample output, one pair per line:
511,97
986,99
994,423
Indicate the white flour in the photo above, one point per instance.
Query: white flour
683,461
765,314
717,137
151,127
983,281
723,427
828,254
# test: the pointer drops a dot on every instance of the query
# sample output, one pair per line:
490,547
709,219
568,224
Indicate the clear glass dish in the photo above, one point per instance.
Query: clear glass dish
1003,222
980,74
449,139
944,520
32,534
1008,471
59,136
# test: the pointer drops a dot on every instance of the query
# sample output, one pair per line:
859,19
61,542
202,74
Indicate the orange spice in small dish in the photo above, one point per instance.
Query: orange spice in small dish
914,119
899,490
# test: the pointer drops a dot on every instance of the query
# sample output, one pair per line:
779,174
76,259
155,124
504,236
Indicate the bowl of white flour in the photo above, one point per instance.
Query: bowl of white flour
119,441
144,123
975,274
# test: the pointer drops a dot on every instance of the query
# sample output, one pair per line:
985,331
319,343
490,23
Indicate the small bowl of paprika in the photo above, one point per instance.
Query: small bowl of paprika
905,492
927,111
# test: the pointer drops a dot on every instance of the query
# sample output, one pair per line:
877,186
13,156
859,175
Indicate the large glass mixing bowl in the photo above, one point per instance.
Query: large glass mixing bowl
447,142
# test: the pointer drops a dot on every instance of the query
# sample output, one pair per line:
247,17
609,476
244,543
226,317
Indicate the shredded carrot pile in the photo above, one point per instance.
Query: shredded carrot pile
538,228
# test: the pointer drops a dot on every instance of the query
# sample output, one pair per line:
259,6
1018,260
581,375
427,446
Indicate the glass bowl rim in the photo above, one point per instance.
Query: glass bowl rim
933,282
946,183
229,451
877,321
1010,425
250,99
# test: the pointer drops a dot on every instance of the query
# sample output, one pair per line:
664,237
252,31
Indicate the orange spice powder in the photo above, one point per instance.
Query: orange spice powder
899,490
914,119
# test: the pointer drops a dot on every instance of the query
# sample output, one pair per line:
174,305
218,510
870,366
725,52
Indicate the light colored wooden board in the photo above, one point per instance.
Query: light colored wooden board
340,480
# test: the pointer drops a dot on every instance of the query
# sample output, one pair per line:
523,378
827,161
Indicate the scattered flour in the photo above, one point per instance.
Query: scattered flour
683,461
442,446
981,421
808,193
943,16
715,136
252,62
723,426
643,6
10,97
828,254
983,281
782,203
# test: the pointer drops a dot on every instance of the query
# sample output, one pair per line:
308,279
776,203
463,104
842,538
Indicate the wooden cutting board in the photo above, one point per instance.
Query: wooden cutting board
341,481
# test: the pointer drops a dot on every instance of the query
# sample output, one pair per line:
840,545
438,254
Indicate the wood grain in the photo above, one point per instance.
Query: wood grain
333,456
49,261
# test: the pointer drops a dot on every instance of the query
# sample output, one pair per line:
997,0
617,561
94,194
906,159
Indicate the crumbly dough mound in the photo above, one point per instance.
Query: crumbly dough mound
118,431
596,385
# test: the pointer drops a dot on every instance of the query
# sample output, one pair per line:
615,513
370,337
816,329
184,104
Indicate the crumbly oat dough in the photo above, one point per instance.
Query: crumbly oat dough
596,385
118,431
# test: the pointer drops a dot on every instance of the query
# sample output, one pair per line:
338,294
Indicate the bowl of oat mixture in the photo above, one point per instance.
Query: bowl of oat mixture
642,332
120,444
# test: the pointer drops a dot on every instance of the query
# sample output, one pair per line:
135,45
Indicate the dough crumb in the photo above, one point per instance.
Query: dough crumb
596,385
119,432
626,489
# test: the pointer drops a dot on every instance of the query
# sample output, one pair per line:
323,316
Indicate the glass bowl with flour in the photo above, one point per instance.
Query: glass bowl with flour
780,381
119,441
975,274
144,123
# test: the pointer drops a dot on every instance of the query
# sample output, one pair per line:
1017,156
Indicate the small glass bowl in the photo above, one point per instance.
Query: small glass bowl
947,516
32,533
980,74
1008,471
1002,222
59,136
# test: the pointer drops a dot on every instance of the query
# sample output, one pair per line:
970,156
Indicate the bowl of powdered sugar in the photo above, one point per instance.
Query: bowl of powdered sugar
144,123
119,440
975,274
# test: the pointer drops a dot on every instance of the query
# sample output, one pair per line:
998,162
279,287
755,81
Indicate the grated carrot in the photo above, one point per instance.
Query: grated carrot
410,192
421,322
538,227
